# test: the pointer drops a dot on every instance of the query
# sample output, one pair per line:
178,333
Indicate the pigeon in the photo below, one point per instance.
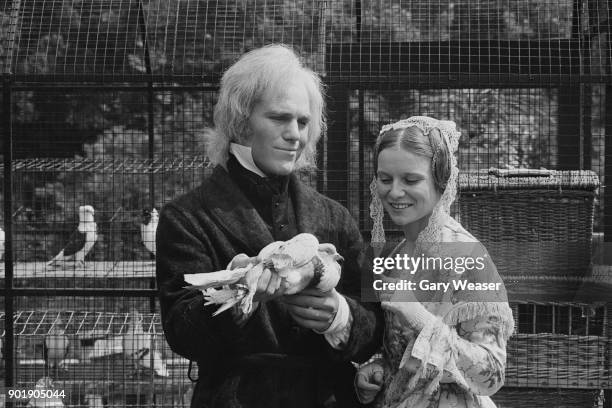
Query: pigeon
45,400
136,343
150,218
138,348
93,401
81,241
56,346
301,262
156,363
2,236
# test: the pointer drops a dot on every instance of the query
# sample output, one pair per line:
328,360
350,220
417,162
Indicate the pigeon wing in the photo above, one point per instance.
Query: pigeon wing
76,243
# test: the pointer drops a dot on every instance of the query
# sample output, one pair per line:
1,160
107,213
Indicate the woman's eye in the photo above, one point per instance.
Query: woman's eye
411,181
384,180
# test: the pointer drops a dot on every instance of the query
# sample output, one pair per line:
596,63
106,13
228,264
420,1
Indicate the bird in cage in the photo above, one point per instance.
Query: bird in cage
136,343
92,398
300,262
150,219
138,348
81,241
93,401
56,346
47,397
155,362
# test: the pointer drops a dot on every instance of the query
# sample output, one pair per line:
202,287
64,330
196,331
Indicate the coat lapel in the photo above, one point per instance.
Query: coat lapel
309,209
234,212
237,216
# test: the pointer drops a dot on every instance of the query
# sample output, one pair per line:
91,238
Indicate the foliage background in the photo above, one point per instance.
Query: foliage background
506,127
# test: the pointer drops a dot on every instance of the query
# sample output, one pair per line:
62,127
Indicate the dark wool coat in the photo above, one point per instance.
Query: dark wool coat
270,361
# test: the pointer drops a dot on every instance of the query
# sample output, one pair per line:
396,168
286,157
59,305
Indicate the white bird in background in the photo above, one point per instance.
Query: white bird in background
45,383
136,343
138,348
81,241
94,401
2,236
150,219
56,346
156,363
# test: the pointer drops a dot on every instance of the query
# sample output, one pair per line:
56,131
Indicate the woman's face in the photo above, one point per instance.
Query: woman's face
405,185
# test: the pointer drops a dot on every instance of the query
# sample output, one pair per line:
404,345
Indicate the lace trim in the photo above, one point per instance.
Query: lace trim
377,213
429,238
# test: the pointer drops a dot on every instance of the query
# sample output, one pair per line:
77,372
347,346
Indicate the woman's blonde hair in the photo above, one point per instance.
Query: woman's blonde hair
413,140
245,83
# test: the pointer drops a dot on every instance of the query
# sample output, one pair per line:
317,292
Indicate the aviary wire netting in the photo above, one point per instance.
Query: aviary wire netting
104,103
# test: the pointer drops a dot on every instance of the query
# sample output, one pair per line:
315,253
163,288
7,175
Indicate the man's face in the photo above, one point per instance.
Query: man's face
278,128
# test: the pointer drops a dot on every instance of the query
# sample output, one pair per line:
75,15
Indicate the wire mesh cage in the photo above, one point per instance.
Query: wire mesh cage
562,345
99,358
104,106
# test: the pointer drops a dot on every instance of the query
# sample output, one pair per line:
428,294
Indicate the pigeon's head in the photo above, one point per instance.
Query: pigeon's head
44,382
136,317
86,213
146,216
57,327
330,250
149,215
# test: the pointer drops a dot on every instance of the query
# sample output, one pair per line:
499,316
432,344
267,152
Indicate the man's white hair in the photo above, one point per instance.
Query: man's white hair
244,84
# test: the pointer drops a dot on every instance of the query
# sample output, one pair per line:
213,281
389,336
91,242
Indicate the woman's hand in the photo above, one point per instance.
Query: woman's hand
392,295
368,382
401,309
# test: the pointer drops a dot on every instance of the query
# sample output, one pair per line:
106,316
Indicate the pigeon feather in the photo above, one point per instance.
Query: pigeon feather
300,262
81,241
148,228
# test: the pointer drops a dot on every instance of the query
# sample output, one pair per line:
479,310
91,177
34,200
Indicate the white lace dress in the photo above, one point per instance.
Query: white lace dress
466,344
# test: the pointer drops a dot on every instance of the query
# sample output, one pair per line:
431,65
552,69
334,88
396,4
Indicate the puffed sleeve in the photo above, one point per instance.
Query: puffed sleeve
467,344
472,353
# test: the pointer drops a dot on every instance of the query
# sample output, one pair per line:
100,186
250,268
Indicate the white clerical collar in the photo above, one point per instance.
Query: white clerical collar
245,158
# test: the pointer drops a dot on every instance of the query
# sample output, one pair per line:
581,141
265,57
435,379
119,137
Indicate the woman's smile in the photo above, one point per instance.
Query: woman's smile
400,206
405,186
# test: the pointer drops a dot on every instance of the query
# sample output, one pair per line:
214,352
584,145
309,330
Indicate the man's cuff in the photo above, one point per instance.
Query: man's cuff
339,331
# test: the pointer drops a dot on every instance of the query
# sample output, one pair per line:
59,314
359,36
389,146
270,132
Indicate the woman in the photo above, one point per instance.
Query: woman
443,347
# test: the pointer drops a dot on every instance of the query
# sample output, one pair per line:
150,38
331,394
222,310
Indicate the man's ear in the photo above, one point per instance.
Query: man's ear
246,139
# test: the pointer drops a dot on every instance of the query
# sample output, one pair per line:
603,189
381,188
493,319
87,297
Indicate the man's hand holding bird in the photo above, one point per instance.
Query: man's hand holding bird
281,268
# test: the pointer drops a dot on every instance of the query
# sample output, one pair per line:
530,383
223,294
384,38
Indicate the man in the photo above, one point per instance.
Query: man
290,351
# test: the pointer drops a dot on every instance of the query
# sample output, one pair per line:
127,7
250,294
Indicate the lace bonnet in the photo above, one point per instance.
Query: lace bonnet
431,233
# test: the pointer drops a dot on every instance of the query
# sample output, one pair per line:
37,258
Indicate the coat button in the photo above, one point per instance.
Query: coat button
282,226
276,204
